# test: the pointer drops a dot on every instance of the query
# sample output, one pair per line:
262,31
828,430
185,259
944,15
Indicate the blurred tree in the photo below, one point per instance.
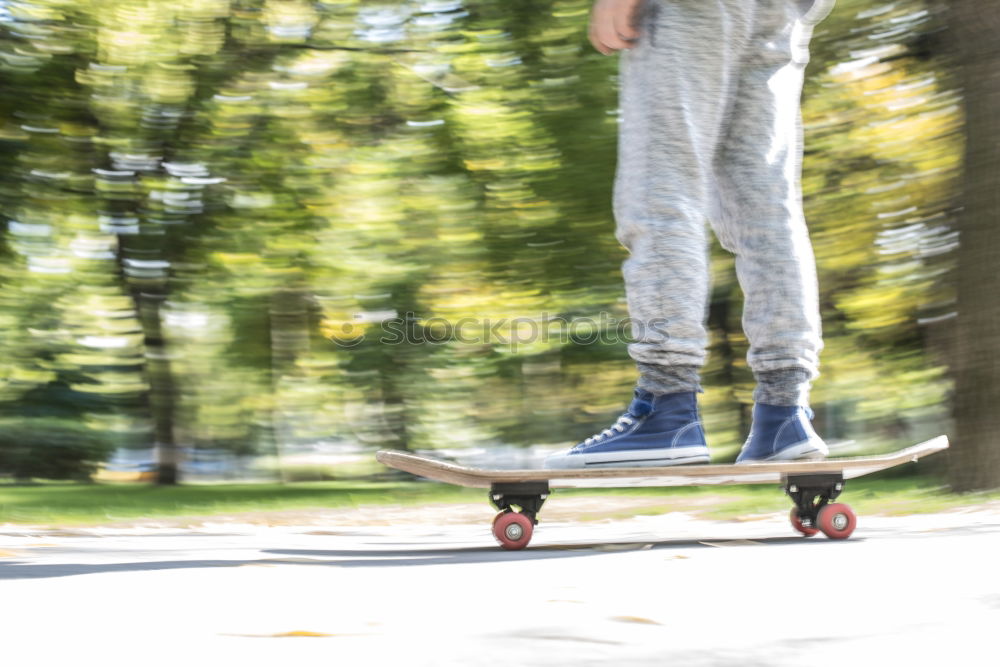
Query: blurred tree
976,454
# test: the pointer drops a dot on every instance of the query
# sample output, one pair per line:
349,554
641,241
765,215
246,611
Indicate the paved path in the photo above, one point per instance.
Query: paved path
659,590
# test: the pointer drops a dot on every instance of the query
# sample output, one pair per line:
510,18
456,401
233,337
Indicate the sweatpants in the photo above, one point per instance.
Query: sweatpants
711,132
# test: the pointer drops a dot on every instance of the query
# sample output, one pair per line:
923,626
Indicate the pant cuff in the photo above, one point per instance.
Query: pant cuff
660,380
783,386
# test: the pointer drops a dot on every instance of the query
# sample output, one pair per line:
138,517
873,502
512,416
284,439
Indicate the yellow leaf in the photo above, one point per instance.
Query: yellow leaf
635,619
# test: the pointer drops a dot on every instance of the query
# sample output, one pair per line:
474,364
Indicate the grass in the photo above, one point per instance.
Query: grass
82,504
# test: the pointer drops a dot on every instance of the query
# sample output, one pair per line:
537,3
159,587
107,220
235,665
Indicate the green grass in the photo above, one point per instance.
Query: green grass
101,503
81,504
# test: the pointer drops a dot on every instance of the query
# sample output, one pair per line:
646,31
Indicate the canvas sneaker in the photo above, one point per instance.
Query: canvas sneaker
781,433
655,431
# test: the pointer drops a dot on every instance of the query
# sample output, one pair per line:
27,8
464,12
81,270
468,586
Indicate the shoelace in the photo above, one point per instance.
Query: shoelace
619,426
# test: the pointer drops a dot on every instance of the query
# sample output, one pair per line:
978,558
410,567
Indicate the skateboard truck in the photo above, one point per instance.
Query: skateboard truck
513,528
811,493
528,496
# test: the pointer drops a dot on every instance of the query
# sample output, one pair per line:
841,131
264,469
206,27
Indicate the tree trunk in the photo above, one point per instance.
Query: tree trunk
161,386
975,457
147,296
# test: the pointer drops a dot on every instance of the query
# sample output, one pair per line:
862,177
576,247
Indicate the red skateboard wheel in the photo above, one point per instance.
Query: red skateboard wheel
807,531
837,521
512,530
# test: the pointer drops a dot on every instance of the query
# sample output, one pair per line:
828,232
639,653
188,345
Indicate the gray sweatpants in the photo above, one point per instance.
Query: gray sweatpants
711,131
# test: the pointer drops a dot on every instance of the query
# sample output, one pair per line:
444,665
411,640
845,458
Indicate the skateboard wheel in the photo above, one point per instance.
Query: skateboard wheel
807,531
512,530
837,521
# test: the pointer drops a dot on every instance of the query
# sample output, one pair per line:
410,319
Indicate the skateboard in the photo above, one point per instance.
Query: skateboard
812,485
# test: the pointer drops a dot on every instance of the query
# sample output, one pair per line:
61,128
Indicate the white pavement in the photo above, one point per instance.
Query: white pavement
659,590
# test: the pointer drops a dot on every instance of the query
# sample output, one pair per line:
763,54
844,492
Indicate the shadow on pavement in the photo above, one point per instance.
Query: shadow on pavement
387,557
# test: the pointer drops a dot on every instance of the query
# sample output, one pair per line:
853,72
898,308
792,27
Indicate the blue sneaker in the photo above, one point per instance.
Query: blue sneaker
781,433
656,431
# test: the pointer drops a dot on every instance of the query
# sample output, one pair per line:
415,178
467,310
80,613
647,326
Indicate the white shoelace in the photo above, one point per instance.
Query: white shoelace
619,426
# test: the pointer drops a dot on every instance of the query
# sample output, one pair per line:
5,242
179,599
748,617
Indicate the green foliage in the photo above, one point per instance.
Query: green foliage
50,446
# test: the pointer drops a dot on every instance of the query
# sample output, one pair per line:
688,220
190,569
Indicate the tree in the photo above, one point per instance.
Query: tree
975,459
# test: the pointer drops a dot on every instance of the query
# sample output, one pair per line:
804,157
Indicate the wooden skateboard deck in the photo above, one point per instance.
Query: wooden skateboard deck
812,485
688,475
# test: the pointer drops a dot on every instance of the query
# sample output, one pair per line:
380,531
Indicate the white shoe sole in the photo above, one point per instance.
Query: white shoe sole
810,450
633,458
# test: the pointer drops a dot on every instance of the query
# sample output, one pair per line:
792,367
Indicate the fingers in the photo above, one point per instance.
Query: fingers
625,29
611,28
608,37
595,40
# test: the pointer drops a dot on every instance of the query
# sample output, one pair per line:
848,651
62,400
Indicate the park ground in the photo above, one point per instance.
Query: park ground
368,574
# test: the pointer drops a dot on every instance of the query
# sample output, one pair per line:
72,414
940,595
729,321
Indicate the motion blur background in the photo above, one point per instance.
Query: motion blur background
212,211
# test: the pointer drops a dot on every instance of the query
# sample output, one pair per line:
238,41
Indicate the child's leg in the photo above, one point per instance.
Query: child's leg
675,87
675,83
758,170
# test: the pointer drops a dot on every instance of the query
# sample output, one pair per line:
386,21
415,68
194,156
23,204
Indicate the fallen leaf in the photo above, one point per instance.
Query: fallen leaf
635,619
296,633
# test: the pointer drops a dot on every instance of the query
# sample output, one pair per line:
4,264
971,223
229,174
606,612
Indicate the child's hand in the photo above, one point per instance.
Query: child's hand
611,26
